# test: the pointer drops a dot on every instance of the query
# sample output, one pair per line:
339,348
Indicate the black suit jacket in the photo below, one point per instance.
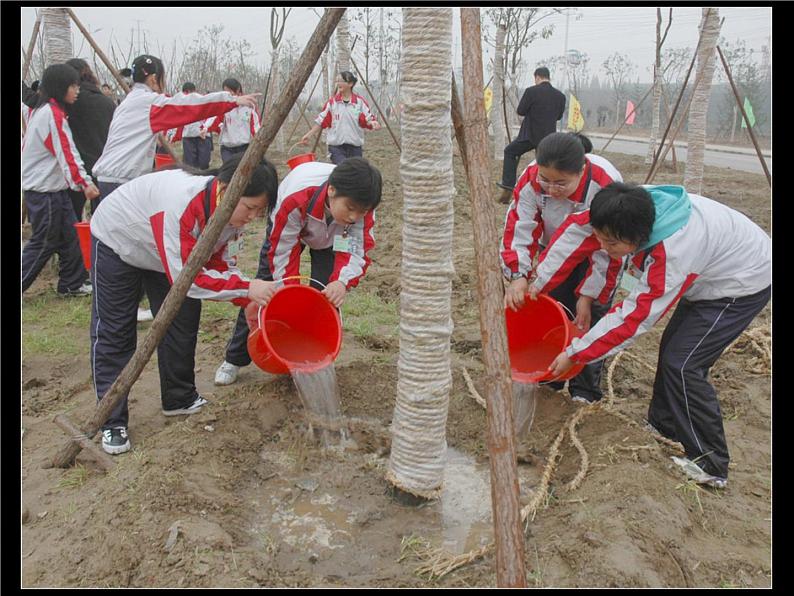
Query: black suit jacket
541,105
89,120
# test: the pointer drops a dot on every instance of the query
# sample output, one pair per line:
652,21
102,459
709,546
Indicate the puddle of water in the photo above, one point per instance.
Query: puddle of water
319,394
312,522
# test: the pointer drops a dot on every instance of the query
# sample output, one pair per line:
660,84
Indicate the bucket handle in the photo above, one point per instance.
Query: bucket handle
310,278
291,148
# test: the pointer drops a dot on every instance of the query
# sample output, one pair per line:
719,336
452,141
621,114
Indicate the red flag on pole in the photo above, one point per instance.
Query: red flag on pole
629,112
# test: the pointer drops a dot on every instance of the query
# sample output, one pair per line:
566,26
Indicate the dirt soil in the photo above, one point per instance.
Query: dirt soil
239,496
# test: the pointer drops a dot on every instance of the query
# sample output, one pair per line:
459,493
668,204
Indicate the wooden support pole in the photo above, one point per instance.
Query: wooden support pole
203,249
375,101
31,45
744,115
508,533
102,458
119,79
457,124
604,148
303,109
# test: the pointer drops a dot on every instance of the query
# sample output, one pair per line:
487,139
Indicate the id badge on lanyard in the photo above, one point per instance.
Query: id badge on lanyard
344,242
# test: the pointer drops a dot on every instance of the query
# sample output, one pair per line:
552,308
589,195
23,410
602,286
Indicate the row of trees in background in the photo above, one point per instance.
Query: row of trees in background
375,35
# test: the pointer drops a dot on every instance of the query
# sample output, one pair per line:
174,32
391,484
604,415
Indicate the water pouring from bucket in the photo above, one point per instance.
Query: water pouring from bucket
300,332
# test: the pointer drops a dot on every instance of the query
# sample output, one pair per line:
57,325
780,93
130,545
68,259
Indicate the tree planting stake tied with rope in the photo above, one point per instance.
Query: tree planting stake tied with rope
198,257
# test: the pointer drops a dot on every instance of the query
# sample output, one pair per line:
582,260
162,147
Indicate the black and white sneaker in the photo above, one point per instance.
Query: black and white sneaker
191,409
115,440
84,290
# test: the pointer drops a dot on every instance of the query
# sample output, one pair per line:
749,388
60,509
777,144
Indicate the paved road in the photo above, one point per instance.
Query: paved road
720,159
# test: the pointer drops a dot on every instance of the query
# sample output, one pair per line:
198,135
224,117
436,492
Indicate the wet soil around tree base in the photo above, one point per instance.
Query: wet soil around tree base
240,496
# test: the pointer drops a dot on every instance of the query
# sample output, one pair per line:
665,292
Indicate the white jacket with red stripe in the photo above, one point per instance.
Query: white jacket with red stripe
718,253
50,160
294,223
346,120
236,127
153,223
129,151
534,216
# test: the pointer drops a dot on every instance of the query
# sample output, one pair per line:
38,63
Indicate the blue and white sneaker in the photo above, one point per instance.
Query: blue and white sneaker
698,474
191,409
115,440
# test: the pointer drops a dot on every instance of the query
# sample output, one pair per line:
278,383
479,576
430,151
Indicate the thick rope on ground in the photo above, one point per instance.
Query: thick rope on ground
418,451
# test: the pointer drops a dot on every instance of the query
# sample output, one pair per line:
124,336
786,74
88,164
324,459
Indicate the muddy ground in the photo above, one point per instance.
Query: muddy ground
238,496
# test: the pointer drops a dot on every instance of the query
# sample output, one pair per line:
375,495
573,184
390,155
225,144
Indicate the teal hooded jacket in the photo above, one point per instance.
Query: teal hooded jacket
672,207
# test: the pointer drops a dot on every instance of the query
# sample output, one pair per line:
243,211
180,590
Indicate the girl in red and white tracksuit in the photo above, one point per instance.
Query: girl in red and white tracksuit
561,181
142,236
330,209
237,127
51,165
684,249
347,115
145,112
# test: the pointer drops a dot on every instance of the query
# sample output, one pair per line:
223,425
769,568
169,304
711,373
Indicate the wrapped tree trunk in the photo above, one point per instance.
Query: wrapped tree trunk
57,35
696,131
419,445
342,46
497,107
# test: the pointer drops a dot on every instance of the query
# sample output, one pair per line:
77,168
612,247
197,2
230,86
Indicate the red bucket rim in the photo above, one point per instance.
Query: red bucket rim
297,160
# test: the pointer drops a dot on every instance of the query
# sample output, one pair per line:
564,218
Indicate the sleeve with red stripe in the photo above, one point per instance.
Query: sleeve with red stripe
656,292
65,151
171,112
365,117
215,124
523,229
572,243
324,119
254,122
285,248
349,268
601,278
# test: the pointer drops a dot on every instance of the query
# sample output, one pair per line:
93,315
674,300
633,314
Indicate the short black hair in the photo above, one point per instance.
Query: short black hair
624,212
232,84
82,67
188,87
145,65
542,72
34,86
105,85
55,83
358,180
264,178
348,77
562,151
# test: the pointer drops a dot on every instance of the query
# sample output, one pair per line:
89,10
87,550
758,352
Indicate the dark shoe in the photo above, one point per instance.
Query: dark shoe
191,409
115,440
584,400
505,195
556,385
84,290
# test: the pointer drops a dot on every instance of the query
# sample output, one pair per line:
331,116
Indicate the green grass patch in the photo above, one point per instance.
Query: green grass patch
367,315
55,326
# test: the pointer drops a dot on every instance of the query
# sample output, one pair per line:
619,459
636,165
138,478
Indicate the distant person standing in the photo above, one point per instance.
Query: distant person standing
541,106
196,142
237,127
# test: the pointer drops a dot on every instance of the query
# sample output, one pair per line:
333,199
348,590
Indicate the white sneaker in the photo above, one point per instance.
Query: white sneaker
698,474
115,440
191,409
145,315
226,373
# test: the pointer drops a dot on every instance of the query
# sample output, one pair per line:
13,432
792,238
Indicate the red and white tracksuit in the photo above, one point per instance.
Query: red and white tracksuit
153,222
719,253
534,216
50,160
292,224
129,151
345,120
236,127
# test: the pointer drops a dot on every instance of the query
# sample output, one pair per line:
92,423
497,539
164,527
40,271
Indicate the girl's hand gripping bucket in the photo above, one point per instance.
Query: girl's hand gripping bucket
299,329
536,334
297,160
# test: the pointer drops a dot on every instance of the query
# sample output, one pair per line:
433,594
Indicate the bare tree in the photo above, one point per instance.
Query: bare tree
618,68
696,130
278,20
747,69
657,82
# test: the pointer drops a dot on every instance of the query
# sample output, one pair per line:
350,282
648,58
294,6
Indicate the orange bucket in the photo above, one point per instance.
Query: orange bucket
161,160
299,329
84,236
536,334
297,160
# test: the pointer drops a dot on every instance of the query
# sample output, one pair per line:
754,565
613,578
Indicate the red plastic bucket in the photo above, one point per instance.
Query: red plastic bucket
84,236
161,160
536,334
297,160
299,329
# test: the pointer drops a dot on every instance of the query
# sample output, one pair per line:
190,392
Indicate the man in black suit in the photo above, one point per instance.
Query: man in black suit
541,106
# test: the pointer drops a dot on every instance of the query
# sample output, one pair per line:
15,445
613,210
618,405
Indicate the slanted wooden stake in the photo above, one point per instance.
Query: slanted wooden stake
508,534
119,79
31,45
375,101
457,124
198,257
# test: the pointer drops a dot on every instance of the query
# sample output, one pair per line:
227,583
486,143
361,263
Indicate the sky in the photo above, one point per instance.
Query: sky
597,31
